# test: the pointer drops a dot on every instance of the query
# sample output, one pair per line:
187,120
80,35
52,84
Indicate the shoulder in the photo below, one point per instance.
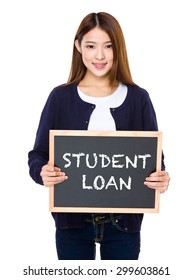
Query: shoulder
64,89
137,93
135,89
62,94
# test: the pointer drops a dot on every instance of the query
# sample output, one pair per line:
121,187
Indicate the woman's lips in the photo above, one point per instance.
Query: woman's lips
99,65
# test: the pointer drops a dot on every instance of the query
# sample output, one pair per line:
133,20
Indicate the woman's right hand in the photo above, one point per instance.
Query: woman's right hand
52,175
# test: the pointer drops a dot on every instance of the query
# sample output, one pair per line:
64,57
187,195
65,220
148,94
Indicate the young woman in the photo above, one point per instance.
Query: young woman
99,95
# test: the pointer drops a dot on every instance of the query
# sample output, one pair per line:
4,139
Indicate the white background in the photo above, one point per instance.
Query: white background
36,39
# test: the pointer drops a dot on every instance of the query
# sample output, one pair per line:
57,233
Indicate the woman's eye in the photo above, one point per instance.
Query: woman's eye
109,46
90,46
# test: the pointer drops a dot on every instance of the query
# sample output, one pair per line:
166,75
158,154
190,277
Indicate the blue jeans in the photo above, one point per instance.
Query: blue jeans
105,229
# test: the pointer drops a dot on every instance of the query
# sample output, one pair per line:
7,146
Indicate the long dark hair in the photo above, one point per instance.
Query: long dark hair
120,70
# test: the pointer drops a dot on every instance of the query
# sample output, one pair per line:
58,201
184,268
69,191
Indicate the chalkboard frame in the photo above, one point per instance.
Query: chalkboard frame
86,133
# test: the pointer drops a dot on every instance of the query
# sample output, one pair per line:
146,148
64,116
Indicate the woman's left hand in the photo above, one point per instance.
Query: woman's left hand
158,180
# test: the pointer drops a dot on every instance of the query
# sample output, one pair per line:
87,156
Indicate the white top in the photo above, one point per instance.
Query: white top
101,118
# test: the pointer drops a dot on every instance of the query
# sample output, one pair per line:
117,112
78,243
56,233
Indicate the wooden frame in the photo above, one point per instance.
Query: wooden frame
109,135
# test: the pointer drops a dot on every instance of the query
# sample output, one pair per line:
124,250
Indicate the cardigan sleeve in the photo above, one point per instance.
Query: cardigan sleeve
150,120
39,155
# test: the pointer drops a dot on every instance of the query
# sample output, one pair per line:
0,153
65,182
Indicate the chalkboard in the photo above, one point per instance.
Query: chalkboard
106,171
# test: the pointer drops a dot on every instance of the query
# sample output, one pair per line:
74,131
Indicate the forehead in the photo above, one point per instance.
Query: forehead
96,35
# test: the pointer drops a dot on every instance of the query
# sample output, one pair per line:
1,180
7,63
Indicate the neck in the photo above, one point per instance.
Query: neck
97,82
97,89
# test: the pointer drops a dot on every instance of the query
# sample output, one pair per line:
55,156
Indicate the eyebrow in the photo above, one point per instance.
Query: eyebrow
92,42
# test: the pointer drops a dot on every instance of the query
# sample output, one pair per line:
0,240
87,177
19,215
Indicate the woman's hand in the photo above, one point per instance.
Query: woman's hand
52,175
158,180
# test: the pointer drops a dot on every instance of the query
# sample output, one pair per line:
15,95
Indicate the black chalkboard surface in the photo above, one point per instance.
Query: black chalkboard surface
106,171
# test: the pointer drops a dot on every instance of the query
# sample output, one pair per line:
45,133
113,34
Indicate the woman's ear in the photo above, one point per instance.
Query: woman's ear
77,45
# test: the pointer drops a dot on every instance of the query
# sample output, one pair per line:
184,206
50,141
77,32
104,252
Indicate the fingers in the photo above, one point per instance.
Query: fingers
158,180
52,175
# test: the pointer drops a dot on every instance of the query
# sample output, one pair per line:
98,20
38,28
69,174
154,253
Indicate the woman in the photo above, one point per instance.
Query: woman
100,87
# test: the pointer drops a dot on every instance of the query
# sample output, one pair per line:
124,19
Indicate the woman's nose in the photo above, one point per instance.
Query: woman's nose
99,54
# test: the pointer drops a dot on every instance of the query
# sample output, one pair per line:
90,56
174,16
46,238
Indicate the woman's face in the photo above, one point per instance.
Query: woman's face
97,52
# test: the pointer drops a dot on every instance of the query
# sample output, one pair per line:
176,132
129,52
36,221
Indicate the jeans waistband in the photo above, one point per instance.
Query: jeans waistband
102,218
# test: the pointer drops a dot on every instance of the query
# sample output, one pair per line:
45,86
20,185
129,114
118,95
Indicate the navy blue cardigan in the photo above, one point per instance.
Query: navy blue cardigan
64,109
